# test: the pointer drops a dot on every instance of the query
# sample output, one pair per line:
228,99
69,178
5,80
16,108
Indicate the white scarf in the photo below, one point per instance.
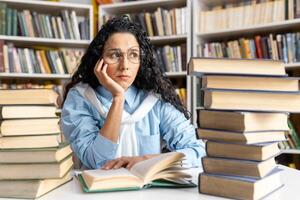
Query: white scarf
127,140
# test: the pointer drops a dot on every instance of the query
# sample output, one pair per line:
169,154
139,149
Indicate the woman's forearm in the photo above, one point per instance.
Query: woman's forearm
111,127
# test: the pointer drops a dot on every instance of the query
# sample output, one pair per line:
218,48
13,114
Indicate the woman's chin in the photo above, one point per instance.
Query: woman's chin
125,86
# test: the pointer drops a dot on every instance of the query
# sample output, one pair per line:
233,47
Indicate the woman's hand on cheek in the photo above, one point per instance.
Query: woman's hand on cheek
126,162
106,81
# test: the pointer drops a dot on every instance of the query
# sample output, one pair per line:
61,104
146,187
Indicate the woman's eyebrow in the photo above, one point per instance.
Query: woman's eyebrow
113,49
134,48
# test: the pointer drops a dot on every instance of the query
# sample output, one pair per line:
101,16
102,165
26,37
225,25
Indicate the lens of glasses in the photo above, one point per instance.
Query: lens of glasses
114,56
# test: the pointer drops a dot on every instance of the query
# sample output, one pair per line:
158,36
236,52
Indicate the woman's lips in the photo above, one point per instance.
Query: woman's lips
124,77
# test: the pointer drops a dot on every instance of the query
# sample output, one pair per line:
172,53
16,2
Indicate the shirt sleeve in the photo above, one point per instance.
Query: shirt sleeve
180,135
81,128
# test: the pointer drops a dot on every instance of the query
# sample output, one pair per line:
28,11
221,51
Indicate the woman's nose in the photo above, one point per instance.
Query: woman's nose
124,63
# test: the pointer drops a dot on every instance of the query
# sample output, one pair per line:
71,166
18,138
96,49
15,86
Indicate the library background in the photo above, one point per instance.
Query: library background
42,42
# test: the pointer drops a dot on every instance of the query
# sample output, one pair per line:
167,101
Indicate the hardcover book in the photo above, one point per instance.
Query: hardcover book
162,171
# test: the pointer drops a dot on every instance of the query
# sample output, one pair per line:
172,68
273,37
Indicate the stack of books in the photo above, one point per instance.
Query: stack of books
245,115
33,160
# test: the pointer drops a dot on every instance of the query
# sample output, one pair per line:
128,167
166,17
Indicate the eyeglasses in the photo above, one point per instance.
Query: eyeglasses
114,56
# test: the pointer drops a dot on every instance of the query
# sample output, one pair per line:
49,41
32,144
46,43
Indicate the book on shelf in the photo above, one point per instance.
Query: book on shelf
164,170
252,100
243,121
28,112
273,46
235,15
39,60
181,92
250,83
256,152
199,66
30,189
236,167
25,97
294,135
12,171
171,58
290,141
159,22
19,127
35,155
66,25
241,137
239,187
36,141
2,69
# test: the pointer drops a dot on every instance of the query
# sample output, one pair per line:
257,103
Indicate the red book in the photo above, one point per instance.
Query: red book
2,69
258,46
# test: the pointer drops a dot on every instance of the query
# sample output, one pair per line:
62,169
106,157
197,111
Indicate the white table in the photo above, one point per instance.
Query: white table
72,191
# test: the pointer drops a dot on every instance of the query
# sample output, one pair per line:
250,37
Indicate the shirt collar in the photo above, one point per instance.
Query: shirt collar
130,94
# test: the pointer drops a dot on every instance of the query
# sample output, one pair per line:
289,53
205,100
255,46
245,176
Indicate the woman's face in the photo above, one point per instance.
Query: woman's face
122,54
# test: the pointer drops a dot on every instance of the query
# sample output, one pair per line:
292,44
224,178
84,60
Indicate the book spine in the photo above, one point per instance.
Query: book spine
1,116
199,183
202,162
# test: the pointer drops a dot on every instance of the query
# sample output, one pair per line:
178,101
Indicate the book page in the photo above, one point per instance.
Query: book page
110,179
99,174
148,168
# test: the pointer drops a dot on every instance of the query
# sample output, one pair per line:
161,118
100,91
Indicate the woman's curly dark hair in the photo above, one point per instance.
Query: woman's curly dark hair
149,77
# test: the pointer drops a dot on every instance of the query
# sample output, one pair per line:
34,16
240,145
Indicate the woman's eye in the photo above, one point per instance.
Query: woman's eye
115,55
134,55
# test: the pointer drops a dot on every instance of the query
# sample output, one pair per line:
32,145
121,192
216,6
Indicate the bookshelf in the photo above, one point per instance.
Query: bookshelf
280,21
178,77
234,33
40,42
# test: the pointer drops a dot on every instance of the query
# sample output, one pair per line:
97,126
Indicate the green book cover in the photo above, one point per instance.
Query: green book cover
294,134
8,21
14,22
2,18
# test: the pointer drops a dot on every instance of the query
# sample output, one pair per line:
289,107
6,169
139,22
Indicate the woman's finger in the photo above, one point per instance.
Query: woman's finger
130,164
104,68
98,65
109,164
119,164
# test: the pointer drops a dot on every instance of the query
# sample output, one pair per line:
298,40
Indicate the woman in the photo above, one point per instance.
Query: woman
119,109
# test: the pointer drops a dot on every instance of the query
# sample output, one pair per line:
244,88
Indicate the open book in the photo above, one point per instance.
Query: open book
164,170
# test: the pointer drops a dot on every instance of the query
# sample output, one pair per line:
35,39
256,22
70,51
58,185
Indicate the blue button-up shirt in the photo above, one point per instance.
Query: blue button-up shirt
164,124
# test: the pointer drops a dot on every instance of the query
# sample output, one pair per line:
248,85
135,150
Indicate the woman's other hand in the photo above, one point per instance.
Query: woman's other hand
126,162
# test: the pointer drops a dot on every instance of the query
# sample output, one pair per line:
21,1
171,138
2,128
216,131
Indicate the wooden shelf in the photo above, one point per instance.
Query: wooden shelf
261,28
292,66
219,2
157,40
138,6
49,7
176,74
51,42
290,151
34,76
